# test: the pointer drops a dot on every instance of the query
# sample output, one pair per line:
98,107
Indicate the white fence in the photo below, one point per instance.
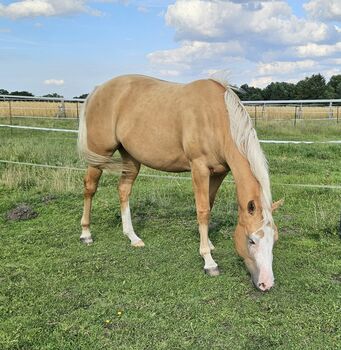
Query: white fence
276,110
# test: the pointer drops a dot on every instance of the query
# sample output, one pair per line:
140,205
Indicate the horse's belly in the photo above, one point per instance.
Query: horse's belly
157,150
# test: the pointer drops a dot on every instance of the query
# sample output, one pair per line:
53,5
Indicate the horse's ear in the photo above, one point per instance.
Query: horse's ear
276,205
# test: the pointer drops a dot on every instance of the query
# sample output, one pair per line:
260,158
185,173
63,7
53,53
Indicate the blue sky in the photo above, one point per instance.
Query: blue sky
69,46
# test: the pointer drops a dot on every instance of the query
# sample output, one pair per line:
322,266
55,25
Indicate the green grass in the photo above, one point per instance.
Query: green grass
58,294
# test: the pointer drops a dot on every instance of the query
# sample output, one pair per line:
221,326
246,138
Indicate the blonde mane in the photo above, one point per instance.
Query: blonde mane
245,138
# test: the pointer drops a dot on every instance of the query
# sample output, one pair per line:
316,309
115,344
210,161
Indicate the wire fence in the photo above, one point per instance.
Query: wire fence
167,177
74,131
15,108
277,110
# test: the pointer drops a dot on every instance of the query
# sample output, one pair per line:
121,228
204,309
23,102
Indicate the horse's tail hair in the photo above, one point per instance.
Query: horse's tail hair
91,158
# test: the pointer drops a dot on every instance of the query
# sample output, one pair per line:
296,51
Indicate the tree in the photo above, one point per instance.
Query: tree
250,93
4,92
82,96
334,86
21,93
311,88
279,91
54,95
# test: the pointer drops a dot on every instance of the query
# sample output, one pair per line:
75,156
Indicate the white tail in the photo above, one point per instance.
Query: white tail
92,158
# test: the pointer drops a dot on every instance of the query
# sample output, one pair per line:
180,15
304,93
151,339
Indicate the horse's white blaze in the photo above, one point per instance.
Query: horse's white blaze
262,253
246,140
128,229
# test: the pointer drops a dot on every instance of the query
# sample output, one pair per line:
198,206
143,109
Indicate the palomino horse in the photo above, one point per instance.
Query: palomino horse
200,127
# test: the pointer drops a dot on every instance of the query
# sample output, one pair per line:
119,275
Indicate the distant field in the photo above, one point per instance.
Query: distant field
53,110
40,109
57,294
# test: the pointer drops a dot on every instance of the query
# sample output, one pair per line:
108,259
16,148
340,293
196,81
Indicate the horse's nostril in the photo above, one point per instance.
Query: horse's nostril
262,286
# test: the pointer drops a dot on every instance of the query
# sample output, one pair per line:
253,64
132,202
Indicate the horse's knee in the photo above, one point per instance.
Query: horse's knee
90,187
124,191
203,216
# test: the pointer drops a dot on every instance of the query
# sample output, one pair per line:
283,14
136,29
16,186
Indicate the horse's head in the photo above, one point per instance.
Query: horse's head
254,239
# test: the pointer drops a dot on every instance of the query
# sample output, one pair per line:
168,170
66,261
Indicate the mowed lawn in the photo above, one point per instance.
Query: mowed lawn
56,293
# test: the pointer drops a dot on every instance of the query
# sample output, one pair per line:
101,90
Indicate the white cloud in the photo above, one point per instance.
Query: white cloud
191,51
143,9
57,82
271,22
47,8
258,41
261,82
336,61
169,73
281,68
324,9
315,50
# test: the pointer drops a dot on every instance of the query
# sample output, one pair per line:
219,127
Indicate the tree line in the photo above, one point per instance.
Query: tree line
26,93
309,88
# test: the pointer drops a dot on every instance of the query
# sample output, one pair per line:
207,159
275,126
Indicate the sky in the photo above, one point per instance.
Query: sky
70,46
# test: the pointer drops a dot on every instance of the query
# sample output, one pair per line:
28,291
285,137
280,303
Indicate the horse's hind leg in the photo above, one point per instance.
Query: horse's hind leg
90,186
131,168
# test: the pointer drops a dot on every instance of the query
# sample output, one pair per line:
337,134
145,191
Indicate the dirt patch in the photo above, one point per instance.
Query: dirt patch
48,198
21,212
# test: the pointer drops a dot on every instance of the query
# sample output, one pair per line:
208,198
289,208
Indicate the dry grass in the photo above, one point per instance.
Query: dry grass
288,112
40,109
53,110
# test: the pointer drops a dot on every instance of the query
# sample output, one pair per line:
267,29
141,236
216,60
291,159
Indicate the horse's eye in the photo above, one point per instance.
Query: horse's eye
251,241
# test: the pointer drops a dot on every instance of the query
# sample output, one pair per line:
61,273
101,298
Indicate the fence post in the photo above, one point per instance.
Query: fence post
300,112
10,113
295,117
77,109
62,113
263,111
330,114
337,114
255,115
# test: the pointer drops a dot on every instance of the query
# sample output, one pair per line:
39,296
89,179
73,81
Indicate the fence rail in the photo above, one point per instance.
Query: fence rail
275,110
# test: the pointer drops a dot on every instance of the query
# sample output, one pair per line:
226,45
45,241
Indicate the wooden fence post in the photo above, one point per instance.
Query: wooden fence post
10,113
77,109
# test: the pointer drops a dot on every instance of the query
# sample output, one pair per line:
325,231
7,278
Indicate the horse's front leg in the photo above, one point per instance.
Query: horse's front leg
201,181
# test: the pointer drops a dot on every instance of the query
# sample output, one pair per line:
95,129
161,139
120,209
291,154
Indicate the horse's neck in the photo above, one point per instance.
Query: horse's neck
248,187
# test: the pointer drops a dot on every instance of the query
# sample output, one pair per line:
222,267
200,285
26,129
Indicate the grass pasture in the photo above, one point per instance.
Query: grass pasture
57,294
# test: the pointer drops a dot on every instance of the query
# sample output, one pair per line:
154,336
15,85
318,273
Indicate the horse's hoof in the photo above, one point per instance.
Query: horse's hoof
138,244
213,271
86,240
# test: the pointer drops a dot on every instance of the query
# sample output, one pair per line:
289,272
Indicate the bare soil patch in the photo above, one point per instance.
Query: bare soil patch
22,212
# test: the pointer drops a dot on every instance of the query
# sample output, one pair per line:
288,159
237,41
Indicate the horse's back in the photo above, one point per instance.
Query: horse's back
161,124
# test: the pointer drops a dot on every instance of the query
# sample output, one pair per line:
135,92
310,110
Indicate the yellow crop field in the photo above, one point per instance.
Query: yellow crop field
289,112
54,109
40,109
